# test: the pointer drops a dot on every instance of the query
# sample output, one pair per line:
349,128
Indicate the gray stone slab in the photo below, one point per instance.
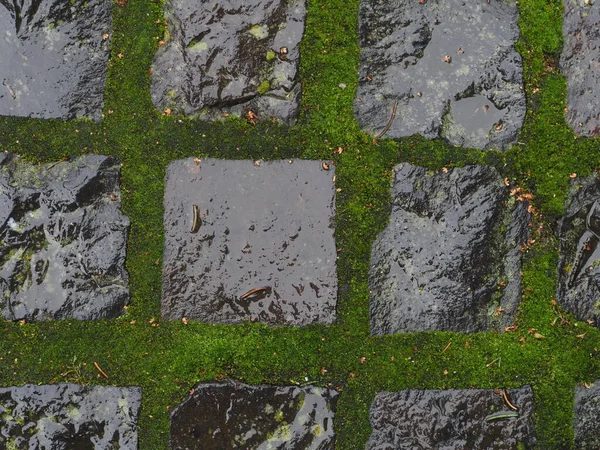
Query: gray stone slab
450,68
450,257
69,417
578,288
452,420
263,246
580,62
62,239
238,416
586,424
230,57
54,57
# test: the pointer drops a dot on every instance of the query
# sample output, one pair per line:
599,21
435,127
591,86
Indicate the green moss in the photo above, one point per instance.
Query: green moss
263,87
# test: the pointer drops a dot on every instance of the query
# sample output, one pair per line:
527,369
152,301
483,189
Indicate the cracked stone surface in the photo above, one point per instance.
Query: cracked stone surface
450,257
586,424
262,248
238,416
69,416
580,62
63,237
450,67
579,254
54,57
230,57
451,420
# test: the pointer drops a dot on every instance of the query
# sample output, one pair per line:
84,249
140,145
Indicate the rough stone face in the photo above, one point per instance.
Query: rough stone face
237,416
54,57
230,57
451,420
263,246
580,62
579,254
62,235
586,423
450,67
450,258
69,416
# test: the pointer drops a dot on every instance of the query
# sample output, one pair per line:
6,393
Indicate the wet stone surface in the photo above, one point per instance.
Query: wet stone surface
237,416
230,57
586,424
62,235
579,253
580,62
248,242
69,416
452,420
450,258
54,57
450,67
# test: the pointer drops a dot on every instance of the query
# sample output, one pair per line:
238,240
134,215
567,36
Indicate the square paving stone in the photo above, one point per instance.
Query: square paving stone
579,253
69,416
249,241
62,239
444,69
224,58
586,423
450,257
231,415
452,420
54,57
580,62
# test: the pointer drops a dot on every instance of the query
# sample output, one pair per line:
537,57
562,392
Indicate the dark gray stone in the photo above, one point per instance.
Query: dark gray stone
450,258
225,58
586,424
69,417
580,62
237,416
62,239
451,420
266,227
473,99
579,254
54,57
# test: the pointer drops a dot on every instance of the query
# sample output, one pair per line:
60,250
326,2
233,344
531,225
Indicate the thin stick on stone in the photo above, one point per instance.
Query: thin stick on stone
254,291
195,219
389,123
510,405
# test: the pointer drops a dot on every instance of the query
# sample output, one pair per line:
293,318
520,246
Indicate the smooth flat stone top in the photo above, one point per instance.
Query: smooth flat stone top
229,57
450,68
586,423
263,247
580,62
54,57
69,417
231,415
63,237
578,288
451,420
450,257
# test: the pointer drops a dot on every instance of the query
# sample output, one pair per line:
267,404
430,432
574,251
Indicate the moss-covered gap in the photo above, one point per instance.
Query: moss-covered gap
168,358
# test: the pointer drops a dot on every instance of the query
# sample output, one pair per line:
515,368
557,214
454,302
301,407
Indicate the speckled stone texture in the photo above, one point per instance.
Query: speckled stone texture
580,62
54,57
230,57
232,415
586,424
579,254
63,237
450,257
449,66
451,420
263,246
69,417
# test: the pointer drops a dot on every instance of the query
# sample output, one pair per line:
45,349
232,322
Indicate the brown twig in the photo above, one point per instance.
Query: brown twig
195,220
254,291
389,123
100,370
447,346
510,405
